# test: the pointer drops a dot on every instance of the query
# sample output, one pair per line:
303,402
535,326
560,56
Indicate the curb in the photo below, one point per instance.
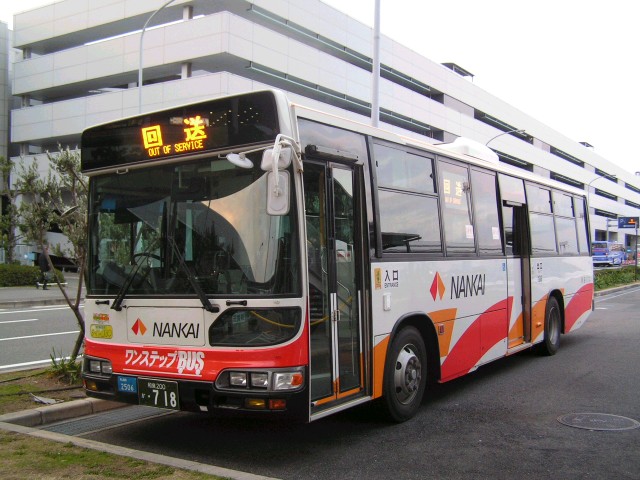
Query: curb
608,291
24,421
40,416
33,303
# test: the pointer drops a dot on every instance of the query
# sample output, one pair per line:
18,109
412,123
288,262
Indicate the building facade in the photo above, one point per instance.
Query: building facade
81,60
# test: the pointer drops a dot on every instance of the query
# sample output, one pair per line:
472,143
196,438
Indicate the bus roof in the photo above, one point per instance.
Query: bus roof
466,150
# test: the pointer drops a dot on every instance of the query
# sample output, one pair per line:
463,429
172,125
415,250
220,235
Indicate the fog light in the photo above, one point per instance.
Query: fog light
91,385
238,379
287,380
260,380
258,403
94,366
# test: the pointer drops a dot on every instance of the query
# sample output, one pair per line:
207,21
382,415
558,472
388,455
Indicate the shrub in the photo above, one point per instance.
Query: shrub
615,277
12,275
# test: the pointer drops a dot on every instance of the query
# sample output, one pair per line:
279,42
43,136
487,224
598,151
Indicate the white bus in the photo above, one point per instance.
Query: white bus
266,258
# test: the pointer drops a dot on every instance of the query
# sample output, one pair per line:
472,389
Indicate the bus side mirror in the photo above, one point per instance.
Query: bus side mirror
278,193
284,158
275,161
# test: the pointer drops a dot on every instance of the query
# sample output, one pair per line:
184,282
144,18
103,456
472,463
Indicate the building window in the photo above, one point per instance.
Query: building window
564,155
604,194
632,188
516,162
566,180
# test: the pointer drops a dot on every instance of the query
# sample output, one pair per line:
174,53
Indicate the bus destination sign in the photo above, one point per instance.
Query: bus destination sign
197,128
193,140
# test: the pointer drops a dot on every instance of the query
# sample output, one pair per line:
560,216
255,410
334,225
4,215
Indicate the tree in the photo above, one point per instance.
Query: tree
59,198
8,219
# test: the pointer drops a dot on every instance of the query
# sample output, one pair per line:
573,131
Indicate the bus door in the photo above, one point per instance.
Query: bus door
515,220
333,207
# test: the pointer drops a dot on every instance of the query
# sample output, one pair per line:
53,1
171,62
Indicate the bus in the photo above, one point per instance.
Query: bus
608,253
250,255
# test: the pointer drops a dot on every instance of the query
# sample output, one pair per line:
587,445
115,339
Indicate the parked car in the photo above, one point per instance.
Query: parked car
608,253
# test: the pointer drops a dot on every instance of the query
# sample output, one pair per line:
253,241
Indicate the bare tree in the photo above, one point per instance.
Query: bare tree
59,198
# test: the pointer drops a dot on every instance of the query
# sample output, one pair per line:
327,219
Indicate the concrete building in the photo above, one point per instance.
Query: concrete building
5,88
80,65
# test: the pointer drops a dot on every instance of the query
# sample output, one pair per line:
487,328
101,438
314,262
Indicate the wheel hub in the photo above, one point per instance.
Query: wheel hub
407,375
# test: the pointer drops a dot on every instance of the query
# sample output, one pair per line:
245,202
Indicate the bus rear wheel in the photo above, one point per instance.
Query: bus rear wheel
405,376
552,329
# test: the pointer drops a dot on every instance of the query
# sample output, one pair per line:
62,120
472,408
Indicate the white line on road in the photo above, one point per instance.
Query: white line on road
36,336
29,364
606,298
44,309
20,321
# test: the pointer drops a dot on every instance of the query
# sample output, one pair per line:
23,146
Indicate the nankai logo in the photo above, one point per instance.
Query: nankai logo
468,285
437,287
139,328
176,330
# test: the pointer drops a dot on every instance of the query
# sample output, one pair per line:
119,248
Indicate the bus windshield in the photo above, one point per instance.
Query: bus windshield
189,228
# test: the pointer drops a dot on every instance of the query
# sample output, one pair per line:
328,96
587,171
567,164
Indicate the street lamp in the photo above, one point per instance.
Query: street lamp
515,130
375,79
610,177
144,28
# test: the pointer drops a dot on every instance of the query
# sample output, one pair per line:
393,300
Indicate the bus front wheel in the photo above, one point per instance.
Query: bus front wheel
552,329
405,374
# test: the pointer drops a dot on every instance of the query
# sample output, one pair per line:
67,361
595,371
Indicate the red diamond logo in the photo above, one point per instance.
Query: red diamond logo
437,287
139,328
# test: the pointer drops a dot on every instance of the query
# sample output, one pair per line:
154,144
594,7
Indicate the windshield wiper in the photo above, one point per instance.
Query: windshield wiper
208,306
117,302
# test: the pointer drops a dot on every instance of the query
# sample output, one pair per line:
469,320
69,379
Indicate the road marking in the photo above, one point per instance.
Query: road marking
38,336
40,309
30,364
606,298
20,321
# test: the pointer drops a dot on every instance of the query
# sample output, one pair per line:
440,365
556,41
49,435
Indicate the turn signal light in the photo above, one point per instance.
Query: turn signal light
258,403
91,385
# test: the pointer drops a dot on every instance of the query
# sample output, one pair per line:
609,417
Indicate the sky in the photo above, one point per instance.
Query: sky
571,64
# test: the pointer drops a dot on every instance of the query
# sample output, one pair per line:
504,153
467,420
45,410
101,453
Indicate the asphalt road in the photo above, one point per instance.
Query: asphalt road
29,336
499,422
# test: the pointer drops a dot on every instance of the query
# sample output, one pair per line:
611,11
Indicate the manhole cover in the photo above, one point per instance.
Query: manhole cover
598,421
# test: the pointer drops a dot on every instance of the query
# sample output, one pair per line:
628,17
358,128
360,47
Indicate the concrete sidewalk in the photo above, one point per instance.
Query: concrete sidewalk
19,297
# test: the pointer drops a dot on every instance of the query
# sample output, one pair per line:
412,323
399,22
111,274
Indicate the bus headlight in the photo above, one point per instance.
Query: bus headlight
100,367
287,380
280,380
260,379
238,379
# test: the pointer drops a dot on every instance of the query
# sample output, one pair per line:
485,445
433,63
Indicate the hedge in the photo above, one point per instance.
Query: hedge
615,277
21,275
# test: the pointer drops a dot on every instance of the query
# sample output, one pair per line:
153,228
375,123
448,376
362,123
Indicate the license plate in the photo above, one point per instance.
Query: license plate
158,393
127,384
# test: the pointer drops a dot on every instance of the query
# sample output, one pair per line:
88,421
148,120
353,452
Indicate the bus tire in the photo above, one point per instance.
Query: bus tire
405,376
552,329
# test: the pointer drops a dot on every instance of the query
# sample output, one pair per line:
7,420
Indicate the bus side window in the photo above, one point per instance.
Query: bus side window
485,204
